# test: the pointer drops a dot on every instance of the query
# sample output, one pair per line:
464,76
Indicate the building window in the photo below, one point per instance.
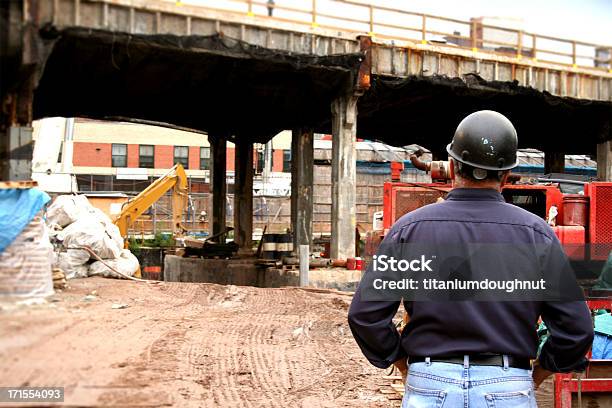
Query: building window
204,158
261,160
259,165
119,155
181,155
287,161
146,156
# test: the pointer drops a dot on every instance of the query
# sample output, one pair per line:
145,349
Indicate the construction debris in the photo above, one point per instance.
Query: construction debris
66,209
119,306
74,261
59,279
86,240
126,263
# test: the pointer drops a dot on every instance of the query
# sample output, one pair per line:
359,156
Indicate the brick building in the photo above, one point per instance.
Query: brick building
120,156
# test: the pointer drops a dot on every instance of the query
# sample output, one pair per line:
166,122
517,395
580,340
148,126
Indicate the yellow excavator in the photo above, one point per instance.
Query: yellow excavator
175,179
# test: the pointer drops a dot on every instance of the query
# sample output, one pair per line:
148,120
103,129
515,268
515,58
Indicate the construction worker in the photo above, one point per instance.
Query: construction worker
270,5
469,353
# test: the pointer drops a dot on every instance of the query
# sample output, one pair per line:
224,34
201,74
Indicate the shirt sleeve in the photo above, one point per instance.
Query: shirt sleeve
373,329
371,323
570,323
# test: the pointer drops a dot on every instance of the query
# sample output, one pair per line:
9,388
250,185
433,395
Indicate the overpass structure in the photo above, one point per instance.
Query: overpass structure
237,73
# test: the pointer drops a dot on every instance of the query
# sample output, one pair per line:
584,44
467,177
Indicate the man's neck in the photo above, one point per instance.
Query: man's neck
462,183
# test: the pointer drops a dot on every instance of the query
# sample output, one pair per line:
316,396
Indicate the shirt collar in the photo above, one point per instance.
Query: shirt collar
474,194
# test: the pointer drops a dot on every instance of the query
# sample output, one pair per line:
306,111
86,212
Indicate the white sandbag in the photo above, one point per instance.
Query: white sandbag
127,264
111,229
66,209
84,225
91,232
25,265
73,263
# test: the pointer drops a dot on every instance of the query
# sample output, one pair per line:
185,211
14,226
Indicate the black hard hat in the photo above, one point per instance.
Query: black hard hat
486,140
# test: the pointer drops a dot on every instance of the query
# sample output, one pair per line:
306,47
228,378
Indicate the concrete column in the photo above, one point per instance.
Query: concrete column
243,196
302,167
604,161
554,162
68,146
218,183
267,166
16,150
344,175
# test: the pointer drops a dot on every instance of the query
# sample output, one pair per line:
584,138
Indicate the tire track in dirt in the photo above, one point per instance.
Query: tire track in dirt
215,357
229,354
255,314
227,390
266,357
278,356
261,373
199,345
274,355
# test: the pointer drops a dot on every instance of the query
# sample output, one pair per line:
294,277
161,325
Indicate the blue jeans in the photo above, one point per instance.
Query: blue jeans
445,385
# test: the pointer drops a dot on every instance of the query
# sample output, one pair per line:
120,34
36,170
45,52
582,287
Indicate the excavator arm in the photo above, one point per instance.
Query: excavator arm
175,179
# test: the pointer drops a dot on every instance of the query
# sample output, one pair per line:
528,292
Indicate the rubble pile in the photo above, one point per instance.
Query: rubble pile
74,223
25,265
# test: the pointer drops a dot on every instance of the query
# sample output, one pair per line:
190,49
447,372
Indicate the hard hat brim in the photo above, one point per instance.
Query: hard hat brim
478,166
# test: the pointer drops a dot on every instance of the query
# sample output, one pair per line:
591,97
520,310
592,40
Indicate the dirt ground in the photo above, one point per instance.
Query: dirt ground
189,345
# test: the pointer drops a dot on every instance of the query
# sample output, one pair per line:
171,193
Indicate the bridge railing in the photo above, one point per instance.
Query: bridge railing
387,23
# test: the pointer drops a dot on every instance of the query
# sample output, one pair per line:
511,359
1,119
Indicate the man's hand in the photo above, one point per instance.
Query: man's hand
540,374
402,366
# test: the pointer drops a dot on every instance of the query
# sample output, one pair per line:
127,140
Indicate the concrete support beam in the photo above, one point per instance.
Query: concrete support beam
554,162
344,175
604,161
243,197
302,168
218,183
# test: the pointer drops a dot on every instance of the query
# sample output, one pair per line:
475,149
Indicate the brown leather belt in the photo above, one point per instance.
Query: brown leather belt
494,360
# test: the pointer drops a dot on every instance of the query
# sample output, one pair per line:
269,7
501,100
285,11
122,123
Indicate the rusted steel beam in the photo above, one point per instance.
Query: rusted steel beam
365,70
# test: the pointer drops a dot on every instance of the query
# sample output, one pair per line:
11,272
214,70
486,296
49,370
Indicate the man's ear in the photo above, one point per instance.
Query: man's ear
451,169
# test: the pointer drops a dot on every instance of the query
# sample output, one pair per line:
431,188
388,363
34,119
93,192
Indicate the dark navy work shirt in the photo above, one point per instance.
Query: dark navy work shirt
469,327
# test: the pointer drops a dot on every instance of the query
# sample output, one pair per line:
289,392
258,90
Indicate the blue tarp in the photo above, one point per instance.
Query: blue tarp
603,323
17,208
602,347
364,166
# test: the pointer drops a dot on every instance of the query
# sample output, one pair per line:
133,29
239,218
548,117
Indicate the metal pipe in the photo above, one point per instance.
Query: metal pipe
563,181
304,253
418,163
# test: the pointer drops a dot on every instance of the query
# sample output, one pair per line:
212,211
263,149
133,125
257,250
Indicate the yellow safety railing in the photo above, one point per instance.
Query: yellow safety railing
387,23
